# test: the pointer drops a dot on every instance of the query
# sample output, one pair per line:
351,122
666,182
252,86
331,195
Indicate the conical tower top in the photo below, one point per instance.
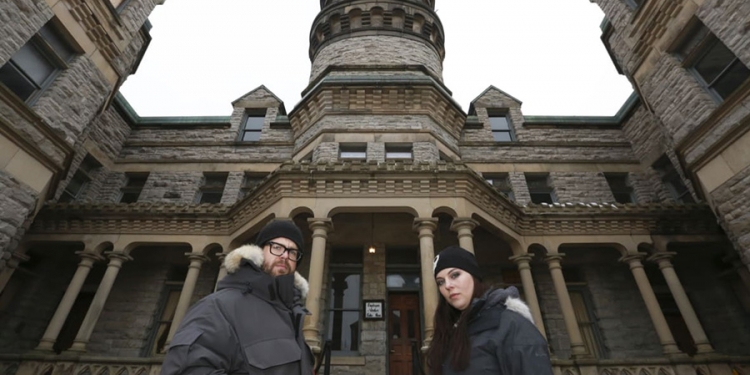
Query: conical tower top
383,33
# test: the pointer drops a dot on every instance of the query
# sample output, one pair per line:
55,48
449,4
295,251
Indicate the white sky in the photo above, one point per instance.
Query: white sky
207,53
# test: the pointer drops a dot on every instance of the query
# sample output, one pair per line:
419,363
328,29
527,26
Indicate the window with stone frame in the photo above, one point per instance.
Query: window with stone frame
635,4
501,182
133,187
353,151
252,126
250,181
539,188
118,5
398,151
167,308
344,300
34,67
502,130
620,187
213,187
80,181
715,66
672,180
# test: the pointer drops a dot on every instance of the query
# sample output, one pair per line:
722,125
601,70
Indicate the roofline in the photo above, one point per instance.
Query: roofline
622,114
132,117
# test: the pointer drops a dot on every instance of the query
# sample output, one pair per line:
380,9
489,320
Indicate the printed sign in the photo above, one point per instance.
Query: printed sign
373,309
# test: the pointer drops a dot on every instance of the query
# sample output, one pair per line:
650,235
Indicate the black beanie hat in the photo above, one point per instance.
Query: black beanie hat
456,257
281,228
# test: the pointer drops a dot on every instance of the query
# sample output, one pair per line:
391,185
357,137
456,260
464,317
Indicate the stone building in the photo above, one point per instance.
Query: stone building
627,235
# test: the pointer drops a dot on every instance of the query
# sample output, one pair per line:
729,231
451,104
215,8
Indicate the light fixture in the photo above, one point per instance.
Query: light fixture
371,250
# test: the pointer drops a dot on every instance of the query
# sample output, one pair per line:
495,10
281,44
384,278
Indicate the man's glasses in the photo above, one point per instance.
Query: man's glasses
279,249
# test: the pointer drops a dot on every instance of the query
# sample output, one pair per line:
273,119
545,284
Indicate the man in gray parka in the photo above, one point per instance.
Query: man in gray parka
252,324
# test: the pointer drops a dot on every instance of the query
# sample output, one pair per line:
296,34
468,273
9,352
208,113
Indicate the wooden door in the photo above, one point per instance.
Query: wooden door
403,330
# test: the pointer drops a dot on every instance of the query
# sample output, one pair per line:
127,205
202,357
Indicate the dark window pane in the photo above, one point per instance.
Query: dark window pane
731,79
137,180
502,136
215,180
16,81
346,256
697,34
61,47
130,197
623,198
541,198
210,197
31,61
343,330
401,255
251,136
345,290
499,123
714,62
254,122
395,324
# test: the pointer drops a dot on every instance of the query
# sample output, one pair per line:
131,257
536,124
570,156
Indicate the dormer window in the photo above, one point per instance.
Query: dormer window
252,126
353,151
501,127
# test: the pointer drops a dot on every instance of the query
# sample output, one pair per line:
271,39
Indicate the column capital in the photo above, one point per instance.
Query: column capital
632,258
325,224
197,257
522,259
89,257
420,223
118,256
221,256
554,258
463,223
662,257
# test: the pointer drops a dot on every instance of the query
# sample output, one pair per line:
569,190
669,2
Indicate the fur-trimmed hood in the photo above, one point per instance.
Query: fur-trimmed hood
254,254
508,297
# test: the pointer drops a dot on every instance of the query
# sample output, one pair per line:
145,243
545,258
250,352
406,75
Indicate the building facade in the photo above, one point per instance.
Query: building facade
628,236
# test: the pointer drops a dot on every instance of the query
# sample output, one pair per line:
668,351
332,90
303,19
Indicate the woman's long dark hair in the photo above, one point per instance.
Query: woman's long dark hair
449,341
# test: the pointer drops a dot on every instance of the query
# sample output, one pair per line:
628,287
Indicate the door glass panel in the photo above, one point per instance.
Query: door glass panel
410,324
395,324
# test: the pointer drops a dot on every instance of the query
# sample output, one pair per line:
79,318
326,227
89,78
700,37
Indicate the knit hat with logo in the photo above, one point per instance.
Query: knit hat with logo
456,257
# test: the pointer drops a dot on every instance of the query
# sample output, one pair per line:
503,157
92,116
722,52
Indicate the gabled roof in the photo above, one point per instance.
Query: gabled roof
263,88
492,87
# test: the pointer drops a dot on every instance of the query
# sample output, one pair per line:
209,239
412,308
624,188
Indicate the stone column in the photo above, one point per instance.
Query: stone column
463,226
652,304
426,228
10,268
222,269
663,259
188,287
524,268
561,290
88,258
320,229
116,259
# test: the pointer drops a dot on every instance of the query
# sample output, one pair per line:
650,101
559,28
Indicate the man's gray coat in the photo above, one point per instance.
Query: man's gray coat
252,324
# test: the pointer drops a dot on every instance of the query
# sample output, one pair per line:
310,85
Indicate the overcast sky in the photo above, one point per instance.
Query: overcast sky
207,53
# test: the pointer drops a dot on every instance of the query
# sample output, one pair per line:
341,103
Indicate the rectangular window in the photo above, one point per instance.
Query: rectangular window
353,151
501,129
345,299
501,182
621,189
398,151
635,4
213,187
167,309
81,179
250,182
672,180
252,126
539,188
590,333
716,67
133,187
36,64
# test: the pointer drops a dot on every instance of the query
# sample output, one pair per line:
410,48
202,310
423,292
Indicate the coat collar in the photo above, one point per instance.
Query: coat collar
254,254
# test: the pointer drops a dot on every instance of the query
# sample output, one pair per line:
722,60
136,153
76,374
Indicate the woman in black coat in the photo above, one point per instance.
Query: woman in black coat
479,330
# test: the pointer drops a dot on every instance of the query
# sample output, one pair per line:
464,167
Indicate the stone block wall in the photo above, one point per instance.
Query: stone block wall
232,188
250,152
326,152
508,153
520,188
25,319
171,187
375,151
109,132
425,152
581,187
20,21
732,201
111,183
714,301
17,203
557,334
374,332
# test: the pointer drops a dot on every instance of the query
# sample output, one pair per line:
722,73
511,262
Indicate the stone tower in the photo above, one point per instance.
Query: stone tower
384,60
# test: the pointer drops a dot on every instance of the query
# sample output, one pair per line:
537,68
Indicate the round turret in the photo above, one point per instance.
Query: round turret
377,33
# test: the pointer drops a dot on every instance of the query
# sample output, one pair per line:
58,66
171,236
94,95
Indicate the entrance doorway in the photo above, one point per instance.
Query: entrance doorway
403,330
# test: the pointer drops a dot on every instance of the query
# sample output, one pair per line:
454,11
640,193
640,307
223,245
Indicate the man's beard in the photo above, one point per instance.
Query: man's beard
270,269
